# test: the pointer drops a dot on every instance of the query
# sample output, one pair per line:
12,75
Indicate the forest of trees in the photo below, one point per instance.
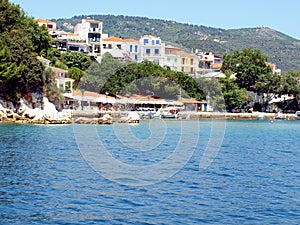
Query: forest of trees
21,40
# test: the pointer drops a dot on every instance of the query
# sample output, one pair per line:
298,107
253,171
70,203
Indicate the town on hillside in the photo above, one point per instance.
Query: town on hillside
88,38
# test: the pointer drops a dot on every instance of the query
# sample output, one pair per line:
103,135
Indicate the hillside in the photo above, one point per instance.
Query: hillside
281,49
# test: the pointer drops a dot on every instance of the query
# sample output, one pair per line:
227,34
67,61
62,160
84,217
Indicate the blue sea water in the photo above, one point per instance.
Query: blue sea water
48,177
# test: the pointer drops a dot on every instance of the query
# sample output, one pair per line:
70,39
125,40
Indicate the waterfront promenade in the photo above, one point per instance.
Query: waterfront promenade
192,115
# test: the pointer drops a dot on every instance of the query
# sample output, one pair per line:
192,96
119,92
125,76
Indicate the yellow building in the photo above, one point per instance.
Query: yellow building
187,62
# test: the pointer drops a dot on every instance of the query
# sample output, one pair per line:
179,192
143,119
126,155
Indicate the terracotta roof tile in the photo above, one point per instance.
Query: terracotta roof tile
183,53
93,21
270,64
113,39
42,58
216,65
40,20
130,40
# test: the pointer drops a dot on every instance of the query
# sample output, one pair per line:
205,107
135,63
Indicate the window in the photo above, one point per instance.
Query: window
130,48
192,61
147,51
156,51
94,25
119,46
136,48
157,42
183,60
192,70
153,42
94,37
146,41
156,62
182,69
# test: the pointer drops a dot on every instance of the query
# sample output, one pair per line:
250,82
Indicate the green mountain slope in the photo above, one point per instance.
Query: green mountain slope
282,50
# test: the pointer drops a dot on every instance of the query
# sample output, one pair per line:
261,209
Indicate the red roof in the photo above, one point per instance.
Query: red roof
113,39
130,40
40,20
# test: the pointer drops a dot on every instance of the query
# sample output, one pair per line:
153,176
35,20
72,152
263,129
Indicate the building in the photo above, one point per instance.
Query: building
172,58
209,65
111,43
273,67
49,24
72,42
188,63
152,49
90,32
53,31
132,46
46,62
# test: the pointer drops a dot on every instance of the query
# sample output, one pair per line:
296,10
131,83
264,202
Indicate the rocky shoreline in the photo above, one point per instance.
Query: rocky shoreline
24,113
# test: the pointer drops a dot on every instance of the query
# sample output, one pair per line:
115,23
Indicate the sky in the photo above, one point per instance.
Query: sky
283,16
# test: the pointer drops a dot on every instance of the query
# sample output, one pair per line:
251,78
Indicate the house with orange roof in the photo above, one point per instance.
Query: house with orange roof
53,31
111,43
273,67
49,24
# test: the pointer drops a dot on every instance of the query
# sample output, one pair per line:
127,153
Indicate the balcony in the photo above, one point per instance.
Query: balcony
94,30
94,40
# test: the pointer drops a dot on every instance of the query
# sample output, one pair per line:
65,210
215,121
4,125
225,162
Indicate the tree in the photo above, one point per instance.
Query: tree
234,96
98,73
248,67
267,85
76,59
21,40
76,74
145,77
289,84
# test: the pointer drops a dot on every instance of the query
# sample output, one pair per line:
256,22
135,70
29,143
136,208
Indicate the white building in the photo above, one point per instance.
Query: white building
90,31
172,58
132,46
152,49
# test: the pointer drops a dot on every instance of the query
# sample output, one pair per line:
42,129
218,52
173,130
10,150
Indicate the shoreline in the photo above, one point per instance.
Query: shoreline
89,117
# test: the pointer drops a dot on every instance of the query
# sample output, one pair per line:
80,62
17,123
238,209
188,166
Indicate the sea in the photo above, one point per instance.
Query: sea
155,172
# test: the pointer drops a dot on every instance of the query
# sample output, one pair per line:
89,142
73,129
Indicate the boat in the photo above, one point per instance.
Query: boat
297,115
280,116
260,116
169,113
106,119
132,117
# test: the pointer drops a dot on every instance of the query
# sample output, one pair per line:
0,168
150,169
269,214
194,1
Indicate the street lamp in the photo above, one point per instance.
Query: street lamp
82,93
126,106
106,93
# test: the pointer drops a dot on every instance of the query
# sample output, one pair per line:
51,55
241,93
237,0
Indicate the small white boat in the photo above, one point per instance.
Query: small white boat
133,117
280,116
297,115
169,113
260,116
